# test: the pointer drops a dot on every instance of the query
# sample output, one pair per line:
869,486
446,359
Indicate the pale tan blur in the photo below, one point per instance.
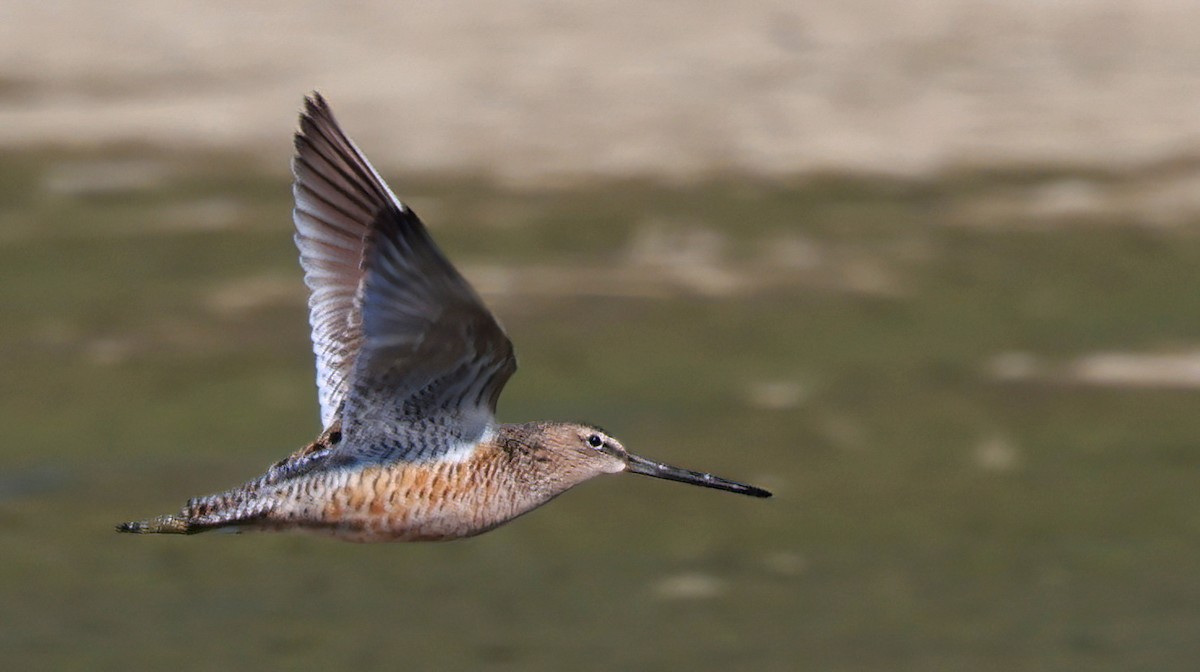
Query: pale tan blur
539,90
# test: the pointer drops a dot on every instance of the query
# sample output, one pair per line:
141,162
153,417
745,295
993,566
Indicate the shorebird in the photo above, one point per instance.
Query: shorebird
410,364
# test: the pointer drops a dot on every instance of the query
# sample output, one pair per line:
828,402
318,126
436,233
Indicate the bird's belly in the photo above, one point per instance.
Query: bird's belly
436,502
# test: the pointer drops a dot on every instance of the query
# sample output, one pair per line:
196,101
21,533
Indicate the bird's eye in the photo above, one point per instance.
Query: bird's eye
595,441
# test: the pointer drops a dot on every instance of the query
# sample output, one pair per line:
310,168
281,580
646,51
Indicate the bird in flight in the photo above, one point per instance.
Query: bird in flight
410,364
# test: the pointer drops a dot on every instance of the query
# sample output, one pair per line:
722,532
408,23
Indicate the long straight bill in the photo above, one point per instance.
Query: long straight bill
640,465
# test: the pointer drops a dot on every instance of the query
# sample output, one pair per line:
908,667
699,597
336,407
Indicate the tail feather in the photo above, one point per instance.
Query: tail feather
168,524
238,509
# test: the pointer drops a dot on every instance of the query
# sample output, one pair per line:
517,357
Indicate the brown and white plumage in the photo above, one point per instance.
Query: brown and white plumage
410,364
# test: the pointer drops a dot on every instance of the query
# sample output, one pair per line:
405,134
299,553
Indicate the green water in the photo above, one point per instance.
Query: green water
928,513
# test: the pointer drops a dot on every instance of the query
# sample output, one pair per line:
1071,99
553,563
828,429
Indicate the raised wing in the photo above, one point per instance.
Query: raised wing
337,195
408,357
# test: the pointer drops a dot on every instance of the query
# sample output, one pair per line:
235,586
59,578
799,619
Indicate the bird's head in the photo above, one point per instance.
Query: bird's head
584,451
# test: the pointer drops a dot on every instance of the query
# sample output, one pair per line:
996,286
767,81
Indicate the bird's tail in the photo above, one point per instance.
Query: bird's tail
239,509
169,524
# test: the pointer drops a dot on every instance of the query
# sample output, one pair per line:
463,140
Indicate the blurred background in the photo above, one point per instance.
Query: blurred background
927,270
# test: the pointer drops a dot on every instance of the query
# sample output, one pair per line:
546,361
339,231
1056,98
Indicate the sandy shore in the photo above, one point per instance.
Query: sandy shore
537,90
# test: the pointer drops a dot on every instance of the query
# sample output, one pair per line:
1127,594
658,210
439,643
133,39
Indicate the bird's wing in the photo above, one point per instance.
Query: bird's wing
408,357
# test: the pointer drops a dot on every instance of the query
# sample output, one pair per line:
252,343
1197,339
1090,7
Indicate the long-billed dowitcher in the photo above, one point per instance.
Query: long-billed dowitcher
409,367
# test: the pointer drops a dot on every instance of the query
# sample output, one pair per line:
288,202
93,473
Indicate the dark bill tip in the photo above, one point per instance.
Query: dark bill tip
640,465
